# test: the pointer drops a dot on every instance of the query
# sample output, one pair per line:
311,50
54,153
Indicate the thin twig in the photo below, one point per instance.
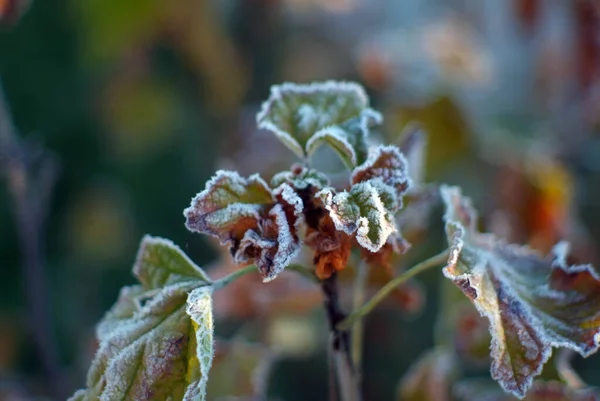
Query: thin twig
225,281
30,189
360,284
340,341
436,260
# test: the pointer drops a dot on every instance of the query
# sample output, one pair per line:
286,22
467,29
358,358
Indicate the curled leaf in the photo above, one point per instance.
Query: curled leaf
259,224
161,350
229,206
361,212
385,163
304,117
532,303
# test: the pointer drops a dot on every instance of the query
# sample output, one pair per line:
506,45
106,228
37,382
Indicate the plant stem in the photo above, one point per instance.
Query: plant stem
340,342
225,281
304,272
436,260
360,283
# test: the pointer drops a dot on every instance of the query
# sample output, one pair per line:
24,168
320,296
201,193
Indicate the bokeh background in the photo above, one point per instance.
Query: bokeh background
138,102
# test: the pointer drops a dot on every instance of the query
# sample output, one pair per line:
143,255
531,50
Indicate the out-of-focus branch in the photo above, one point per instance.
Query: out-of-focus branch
30,178
340,342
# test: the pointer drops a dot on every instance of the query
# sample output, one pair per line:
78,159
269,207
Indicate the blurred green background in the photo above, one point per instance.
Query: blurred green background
141,100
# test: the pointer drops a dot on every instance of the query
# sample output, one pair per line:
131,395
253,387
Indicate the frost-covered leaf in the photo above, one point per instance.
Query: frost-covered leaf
160,262
128,303
259,224
300,178
306,116
385,164
430,378
362,212
485,390
155,342
229,206
532,303
158,352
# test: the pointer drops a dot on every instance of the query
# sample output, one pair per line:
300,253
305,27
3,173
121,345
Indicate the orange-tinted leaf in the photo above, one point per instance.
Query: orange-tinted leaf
532,303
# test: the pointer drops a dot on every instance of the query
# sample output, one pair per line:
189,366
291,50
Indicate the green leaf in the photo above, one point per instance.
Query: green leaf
532,303
430,378
160,262
305,117
361,212
161,350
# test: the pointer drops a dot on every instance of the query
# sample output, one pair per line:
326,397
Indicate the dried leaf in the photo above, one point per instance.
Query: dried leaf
430,378
362,212
260,224
304,117
532,303
161,350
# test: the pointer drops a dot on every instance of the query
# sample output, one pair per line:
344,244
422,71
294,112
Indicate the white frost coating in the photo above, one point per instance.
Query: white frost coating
534,315
310,115
560,252
210,200
199,309
360,212
150,335
287,246
291,197
149,242
387,163
337,137
301,180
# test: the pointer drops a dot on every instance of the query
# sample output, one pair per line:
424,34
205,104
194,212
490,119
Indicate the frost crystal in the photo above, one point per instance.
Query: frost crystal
532,303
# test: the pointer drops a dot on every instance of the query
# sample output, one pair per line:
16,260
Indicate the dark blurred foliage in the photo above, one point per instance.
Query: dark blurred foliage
141,100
